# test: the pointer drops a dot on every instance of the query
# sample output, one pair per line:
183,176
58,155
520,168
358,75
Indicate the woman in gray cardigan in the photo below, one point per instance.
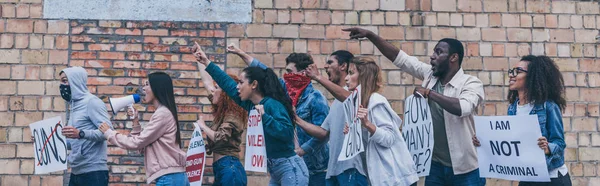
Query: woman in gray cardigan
388,159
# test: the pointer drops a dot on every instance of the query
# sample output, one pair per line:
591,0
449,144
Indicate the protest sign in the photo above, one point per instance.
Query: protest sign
196,157
256,152
418,132
509,148
353,143
50,146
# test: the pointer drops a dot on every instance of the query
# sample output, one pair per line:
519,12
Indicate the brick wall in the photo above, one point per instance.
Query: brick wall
118,54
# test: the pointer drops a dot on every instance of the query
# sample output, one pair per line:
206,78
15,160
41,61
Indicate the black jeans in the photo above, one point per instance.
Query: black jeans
560,181
95,178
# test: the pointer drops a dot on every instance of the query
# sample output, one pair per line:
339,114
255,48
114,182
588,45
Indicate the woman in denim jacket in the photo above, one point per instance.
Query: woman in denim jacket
546,100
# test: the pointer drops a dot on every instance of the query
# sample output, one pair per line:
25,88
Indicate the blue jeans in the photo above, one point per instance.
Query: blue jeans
229,171
350,177
442,175
287,171
95,178
173,179
317,179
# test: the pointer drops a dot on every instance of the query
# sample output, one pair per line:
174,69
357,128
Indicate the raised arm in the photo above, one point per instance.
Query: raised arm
223,80
235,50
406,63
387,49
338,92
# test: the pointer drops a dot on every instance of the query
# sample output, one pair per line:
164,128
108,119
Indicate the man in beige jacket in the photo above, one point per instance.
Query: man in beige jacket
453,97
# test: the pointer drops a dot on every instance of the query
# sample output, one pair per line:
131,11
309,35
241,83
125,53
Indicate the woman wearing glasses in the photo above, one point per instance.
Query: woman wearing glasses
536,87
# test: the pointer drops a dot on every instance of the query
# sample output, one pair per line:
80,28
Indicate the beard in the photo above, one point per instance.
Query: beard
442,68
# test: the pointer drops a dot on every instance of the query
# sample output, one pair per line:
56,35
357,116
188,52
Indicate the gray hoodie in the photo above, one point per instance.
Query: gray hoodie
87,113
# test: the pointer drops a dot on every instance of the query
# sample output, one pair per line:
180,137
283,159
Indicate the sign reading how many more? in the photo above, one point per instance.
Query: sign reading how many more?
418,133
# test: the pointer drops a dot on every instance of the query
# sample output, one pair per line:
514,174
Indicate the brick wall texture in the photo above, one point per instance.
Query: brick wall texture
119,54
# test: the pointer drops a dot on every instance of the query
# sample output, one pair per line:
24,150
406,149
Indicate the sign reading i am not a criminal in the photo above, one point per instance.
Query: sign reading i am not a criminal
50,145
509,148
256,152
196,157
418,132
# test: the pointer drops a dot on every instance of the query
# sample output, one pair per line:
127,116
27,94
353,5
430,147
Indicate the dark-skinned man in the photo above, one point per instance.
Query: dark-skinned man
453,98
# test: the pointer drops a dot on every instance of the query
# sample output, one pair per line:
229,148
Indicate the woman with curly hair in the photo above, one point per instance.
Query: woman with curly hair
225,134
536,87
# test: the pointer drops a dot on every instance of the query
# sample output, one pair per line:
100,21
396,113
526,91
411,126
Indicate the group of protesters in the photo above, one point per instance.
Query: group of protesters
304,134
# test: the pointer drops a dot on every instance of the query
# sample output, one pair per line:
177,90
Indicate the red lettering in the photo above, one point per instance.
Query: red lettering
251,140
260,141
253,120
257,161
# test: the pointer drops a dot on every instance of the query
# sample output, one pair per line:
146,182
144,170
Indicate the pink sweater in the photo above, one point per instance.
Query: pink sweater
162,154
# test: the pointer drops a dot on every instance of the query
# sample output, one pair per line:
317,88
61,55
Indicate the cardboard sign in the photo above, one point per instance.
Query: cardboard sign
418,132
196,158
256,151
509,148
49,145
353,143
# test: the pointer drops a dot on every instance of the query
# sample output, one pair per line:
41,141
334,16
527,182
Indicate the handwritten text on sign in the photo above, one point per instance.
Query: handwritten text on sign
50,147
418,133
353,143
196,158
256,152
509,148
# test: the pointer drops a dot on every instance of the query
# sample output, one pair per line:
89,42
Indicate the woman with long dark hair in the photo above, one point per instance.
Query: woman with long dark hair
160,139
224,136
536,87
388,159
260,89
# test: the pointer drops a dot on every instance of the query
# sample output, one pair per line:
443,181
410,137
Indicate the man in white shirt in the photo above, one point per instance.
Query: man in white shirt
453,97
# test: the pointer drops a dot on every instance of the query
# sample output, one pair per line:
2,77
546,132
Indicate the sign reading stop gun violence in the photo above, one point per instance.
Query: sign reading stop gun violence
353,143
418,133
50,146
196,158
509,148
256,152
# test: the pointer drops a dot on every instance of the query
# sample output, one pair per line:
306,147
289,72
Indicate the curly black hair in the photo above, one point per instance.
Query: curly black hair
544,82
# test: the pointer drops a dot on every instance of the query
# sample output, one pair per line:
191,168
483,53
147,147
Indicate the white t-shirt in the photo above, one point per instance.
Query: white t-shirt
563,170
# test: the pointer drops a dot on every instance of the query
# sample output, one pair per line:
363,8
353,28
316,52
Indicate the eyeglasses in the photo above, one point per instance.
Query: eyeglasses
515,71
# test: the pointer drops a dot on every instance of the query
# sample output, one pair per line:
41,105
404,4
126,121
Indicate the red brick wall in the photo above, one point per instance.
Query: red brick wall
496,34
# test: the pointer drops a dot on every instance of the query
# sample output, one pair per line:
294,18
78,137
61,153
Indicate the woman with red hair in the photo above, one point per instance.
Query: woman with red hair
225,133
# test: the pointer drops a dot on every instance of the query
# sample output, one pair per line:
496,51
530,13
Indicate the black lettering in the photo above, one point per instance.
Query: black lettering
516,146
491,169
62,141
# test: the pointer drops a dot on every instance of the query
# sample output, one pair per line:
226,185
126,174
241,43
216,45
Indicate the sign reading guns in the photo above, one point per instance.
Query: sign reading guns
50,146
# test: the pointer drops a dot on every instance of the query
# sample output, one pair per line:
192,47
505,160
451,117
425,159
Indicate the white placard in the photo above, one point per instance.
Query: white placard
49,145
256,151
353,143
196,158
509,148
418,132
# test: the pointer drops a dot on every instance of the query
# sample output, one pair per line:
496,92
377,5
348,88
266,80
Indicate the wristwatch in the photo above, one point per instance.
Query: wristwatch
81,134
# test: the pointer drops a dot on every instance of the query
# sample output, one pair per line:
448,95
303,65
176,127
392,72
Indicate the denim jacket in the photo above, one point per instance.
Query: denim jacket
551,124
313,108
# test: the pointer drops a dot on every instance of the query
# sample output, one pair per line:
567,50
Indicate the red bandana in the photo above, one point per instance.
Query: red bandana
295,84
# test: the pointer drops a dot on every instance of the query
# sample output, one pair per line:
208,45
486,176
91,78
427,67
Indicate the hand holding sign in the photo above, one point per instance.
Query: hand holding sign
509,149
543,143
50,147
355,117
